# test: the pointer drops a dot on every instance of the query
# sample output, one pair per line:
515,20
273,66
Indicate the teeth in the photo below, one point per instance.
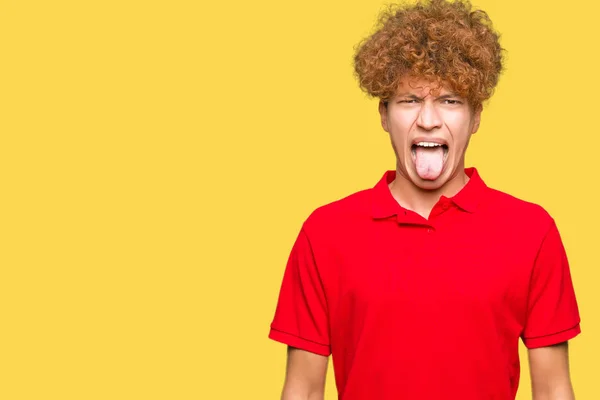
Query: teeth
428,144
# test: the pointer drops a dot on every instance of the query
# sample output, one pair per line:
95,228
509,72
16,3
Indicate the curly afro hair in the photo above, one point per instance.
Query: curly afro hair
440,41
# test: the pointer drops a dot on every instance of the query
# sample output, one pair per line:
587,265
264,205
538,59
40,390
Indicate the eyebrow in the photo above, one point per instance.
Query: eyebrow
447,96
415,97
410,96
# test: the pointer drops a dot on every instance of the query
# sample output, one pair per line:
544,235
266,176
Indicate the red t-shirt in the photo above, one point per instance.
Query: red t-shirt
415,308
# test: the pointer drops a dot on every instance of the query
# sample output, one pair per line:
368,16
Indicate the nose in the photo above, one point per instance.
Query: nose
429,117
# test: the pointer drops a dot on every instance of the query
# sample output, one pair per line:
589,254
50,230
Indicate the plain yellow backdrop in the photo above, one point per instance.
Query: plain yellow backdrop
158,158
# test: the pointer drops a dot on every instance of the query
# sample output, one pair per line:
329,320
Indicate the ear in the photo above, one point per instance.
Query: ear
477,118
383,113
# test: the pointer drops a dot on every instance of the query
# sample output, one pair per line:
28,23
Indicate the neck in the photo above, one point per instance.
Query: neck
422,201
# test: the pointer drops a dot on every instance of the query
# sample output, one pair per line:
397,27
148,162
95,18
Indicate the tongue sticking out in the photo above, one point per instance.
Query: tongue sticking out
429,162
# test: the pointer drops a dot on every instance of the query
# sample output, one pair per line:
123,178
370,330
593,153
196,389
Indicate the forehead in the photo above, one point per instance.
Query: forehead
422,87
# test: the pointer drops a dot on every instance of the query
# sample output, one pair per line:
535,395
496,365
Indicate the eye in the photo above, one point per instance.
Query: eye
408,101
452,101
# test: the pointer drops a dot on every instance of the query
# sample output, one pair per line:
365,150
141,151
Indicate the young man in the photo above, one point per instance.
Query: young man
422,287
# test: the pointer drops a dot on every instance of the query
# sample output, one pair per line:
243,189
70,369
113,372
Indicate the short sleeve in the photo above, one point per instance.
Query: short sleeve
552,314
301,318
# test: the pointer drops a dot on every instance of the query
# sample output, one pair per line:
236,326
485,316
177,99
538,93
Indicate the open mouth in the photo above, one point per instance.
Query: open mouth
429,159
429,148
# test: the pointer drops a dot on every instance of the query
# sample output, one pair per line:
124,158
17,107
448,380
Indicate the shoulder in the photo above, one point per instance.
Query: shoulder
340,214
522,214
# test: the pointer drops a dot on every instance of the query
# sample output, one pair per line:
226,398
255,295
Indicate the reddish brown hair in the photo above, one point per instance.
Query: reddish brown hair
436,40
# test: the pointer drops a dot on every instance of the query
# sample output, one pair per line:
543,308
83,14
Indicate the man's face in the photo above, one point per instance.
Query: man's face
430,129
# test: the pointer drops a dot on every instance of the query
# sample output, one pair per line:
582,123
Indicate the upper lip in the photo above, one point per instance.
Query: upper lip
430,140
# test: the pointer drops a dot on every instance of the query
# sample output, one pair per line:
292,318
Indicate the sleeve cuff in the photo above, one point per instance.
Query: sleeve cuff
549,340
299,343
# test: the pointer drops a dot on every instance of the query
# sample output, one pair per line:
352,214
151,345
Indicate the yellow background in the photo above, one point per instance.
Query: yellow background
158,158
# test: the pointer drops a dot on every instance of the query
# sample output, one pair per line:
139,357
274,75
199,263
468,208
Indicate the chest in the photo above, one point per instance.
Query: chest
434,274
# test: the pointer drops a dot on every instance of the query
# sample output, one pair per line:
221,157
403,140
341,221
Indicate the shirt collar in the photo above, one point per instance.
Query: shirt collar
468,198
